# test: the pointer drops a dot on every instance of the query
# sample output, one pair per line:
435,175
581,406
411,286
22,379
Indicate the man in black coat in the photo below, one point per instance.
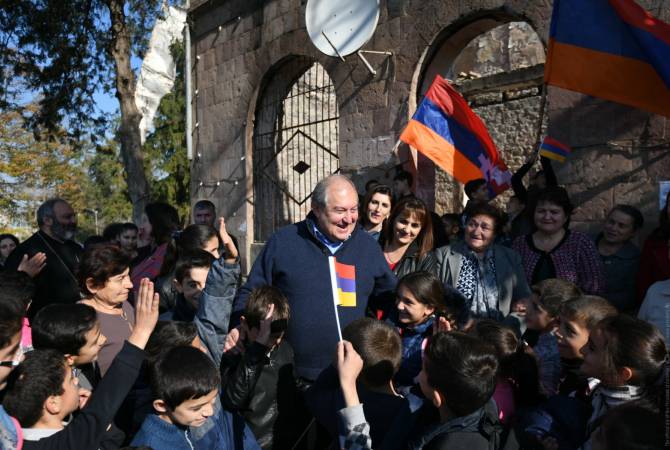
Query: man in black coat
55,279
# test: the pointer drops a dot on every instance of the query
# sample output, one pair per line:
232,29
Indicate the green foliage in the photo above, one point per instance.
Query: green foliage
61,49
34,167
167,168
107,191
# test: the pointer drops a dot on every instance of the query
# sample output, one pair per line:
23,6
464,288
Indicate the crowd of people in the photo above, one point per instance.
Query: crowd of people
479,329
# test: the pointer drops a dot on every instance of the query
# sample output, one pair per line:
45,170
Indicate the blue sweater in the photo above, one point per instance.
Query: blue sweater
224,430
296,262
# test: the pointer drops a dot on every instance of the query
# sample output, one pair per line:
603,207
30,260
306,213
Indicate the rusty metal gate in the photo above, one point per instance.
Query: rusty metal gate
295,143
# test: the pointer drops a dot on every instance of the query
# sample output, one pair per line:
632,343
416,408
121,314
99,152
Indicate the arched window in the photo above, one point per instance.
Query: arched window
295,142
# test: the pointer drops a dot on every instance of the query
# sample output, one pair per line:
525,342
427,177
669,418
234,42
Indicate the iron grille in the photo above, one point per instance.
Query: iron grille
295,143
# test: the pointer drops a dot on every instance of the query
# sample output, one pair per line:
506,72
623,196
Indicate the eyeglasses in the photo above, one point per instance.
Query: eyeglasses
18,357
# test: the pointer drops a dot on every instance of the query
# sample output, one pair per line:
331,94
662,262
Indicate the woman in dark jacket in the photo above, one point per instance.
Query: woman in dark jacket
407,240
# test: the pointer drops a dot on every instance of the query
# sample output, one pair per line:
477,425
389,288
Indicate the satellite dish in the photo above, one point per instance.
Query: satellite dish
340,27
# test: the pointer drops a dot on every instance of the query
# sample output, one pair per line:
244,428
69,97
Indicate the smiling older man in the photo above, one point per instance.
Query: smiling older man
295,259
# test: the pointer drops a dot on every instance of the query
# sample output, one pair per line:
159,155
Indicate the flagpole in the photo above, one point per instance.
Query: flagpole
336,297
540,120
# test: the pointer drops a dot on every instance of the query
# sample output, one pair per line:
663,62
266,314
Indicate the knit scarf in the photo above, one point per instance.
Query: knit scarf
477,282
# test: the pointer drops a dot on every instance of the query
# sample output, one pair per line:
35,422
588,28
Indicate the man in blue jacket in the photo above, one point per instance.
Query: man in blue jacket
295,260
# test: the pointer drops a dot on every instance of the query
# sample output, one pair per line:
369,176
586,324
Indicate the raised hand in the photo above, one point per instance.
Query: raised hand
349,366
146,314
263,336
235,340
33,266
441,324
231,250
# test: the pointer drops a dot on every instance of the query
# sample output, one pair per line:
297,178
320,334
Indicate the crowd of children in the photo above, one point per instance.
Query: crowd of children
126,366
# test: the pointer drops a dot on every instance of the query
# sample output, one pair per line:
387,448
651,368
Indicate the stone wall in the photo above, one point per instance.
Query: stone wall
239,42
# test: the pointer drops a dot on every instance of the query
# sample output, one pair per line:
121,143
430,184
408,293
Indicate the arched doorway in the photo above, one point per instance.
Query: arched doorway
295,142
496,61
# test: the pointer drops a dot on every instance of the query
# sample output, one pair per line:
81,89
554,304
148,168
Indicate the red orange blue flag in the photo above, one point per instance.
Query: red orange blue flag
553,149
612,49
343,285
447,131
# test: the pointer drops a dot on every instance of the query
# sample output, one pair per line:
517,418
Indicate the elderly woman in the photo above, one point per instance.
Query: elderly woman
105,282
555,251
490,276
376,208
407,240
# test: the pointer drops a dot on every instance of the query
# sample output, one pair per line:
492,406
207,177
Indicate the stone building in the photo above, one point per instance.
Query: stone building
272,114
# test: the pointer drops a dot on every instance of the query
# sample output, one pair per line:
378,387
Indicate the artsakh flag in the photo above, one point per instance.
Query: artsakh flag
553,149
345,279
447,131
612,49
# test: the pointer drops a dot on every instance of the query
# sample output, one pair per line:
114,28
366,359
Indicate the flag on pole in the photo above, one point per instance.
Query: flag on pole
612,49
343,285
553,149
447,131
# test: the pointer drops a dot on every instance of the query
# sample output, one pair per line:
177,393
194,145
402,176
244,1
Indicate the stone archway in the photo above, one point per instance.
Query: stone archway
496,62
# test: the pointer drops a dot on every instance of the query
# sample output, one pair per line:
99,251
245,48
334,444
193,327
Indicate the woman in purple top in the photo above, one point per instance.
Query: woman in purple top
555,251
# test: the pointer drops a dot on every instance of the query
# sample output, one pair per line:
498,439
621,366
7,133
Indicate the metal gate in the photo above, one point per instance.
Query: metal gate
295,143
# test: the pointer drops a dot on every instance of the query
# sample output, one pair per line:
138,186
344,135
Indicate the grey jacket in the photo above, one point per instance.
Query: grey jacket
512,284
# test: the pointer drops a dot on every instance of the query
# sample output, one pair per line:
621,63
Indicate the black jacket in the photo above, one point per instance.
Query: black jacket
410,261
261,387
87,429
56,283
480,430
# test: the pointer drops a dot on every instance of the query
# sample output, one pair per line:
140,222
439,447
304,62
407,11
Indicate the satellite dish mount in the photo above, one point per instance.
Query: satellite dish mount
341,28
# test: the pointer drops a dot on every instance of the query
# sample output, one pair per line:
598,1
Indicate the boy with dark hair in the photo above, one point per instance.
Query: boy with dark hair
459,378
542,316
477,192
257,378
18,288
185,384
191,273
12,313
43,390
402,184
380,347
73,330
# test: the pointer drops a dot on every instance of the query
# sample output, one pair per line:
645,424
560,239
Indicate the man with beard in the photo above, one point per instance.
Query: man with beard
54,277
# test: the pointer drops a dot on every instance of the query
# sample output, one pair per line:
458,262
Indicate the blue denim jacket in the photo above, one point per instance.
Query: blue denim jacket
216,304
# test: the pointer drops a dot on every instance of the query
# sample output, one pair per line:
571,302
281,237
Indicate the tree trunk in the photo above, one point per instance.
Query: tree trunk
129,129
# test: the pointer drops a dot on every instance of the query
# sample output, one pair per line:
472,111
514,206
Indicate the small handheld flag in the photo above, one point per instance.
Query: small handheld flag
553,149
343,285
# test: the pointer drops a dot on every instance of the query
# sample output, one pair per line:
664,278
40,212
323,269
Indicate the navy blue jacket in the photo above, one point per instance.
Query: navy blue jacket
296,262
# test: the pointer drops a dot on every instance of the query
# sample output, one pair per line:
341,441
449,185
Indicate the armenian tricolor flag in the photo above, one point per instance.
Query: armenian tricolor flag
612,49
447,131
345,283
553,149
